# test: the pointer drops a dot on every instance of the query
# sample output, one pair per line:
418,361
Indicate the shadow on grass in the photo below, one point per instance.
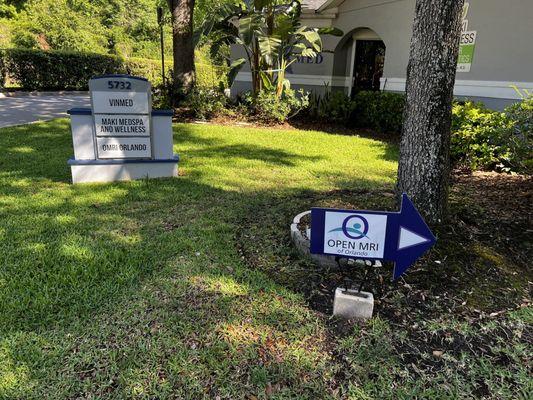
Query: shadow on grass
70,249
152,262
36,151
41,151
168,288
113,266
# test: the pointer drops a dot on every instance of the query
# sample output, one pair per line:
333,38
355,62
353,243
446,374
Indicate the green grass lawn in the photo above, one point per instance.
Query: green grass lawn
182,288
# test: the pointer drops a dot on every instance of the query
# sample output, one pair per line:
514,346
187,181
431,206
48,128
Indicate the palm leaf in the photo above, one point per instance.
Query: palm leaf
330,31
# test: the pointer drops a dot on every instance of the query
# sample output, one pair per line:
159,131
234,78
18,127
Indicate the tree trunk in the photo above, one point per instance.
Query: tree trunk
183,44
424,167
255,66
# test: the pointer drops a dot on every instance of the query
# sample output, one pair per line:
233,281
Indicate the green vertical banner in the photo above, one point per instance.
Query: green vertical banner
466,51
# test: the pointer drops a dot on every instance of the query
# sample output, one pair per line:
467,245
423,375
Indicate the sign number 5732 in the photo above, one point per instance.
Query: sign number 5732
119,85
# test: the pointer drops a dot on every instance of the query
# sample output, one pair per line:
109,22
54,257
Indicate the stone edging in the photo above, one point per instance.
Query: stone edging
302,244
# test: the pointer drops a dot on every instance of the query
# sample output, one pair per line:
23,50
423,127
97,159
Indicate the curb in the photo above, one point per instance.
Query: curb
4,95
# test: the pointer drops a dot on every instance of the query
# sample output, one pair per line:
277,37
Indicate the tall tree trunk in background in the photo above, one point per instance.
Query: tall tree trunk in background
424,168
182,44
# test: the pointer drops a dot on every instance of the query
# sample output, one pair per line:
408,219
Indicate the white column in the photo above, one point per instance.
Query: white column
352,65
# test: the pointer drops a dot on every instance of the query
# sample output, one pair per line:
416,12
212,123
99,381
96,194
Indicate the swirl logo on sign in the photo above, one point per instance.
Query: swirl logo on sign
355,227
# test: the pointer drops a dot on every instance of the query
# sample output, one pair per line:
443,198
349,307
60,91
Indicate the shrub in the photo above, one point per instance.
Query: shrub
206,103
332,106
487,139
207,73
382,111
163,94
147,68
268,108
210,75
521,138
3,72
478,135
47,70
61,70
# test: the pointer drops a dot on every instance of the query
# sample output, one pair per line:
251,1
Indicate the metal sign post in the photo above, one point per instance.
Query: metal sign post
160,22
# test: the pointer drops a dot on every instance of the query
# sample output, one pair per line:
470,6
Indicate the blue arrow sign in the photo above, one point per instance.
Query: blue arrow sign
401,237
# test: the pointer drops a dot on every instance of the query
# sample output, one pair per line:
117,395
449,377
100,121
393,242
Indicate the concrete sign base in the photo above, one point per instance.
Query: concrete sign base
85,171
352,304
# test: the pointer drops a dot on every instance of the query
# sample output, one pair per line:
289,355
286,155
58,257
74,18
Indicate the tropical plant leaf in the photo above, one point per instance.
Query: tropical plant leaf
248,27
227,11
313,38
235,67
284,27
269,48
330,31
308,52
267,79
213,22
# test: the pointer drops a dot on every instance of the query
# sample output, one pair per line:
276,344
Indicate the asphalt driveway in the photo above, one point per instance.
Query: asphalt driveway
27,109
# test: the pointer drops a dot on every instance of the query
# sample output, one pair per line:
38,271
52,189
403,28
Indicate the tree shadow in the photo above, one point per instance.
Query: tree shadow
77,263
258,153
151,264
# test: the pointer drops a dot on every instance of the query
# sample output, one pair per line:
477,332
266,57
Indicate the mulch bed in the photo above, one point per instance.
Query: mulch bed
491,212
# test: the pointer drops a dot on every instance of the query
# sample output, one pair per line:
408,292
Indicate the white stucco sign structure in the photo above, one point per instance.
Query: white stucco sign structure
121,137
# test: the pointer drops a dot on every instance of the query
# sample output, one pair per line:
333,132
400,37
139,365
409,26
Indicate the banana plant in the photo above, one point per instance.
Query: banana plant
271,35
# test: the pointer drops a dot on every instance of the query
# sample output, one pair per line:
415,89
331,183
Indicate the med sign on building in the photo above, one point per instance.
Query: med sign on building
495,62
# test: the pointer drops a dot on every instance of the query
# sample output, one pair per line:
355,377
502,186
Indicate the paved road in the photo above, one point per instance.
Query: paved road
27,109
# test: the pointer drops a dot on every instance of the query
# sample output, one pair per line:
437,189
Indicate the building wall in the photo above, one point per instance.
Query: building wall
502,67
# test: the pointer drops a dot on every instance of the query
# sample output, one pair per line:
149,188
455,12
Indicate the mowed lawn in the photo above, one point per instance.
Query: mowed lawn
141,289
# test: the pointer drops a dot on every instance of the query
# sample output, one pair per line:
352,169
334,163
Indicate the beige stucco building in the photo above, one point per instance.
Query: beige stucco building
495,66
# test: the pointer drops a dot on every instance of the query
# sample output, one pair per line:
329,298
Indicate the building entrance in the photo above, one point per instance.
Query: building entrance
368,66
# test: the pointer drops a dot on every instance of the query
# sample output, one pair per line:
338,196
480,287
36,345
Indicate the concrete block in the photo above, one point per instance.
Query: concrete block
353,304
119,170
83,136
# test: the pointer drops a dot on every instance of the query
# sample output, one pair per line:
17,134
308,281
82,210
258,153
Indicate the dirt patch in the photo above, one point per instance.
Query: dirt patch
497,209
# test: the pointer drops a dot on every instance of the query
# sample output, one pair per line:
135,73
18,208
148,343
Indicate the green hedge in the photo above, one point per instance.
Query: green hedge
382,111
59,70
56,70
480,139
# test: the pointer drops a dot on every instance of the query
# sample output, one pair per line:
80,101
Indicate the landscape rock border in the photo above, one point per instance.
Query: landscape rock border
303,243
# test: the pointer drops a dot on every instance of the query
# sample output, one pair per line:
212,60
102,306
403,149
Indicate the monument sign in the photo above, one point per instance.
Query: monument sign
121,137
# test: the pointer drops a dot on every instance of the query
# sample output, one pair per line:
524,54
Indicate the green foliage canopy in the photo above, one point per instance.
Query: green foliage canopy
120,27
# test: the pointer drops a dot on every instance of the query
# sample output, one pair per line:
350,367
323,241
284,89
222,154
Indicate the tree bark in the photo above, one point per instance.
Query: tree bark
424,167
183,44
